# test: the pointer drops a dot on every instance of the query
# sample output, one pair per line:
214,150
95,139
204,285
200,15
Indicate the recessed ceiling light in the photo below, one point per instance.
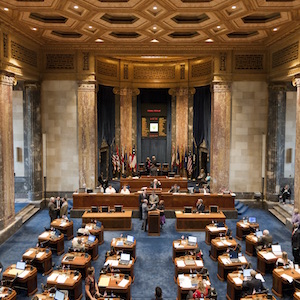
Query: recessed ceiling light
233,7
34,28
154,41
6,9
99,40
275,29
76,6
155,7
154,27
90,27
209,40
219,27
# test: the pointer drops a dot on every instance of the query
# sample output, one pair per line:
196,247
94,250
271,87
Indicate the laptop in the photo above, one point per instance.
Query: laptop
59,295
125,259
91,239
258,233
129,240
252,219
192,240
189,262
247,274
234,256
21,265
276,249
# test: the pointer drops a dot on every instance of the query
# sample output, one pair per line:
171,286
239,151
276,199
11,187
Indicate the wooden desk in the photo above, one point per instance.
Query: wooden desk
154,222
280,283
72,282
113,261
225,265
7,293
77,261
297,296
110,221
183,291
56,243
196,221
41,258
251,244
184,264
96,231
90,248
258,297
26,279
180,247
266,261
64,226
220,245
243,228
212,231
111,283
47,296
122,244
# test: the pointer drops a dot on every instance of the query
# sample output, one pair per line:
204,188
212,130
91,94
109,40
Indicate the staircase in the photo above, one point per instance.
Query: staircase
240,207
27,212
283,213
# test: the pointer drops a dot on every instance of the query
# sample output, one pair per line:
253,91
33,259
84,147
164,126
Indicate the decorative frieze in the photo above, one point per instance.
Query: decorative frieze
182,71
107,69
223,58
249,62
201,69
153,72
86,61
23,54
5,44
285,55
126,75
62,61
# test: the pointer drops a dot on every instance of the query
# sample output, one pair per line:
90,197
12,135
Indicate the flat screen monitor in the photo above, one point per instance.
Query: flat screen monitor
233,254
130,238
89,191
118,208
276,248
213,208
91,238
59,295
20,265
252,219
258,233
192,239
104,208
125,256
188,209
94,208
247,272
153,127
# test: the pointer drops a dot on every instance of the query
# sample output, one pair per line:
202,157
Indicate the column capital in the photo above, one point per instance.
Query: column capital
86,85
182,91
296,81
125,91
7,78
221,86
278,86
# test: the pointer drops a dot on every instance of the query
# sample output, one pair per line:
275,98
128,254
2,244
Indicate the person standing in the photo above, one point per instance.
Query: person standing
296,243
158,293
91,286
64,208
52,209
143,196
145,214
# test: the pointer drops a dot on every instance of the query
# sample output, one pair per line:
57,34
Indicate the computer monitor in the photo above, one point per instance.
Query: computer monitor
252,219
20,265
59,295
94,208
188,209
220,224
258,233
125,256
276,248
247,272
91,238
192,239
233,254
104,208
118,208
130,238
89,191
213,208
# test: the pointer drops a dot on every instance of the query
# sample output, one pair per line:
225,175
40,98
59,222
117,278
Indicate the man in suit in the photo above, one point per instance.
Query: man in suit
285,194
174,189
143,196
64,208
200,206
296,243
253,285
265,240
153,199
52,209
155,184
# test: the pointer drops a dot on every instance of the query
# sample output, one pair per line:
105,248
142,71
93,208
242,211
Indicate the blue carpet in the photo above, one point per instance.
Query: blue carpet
19,206
154,254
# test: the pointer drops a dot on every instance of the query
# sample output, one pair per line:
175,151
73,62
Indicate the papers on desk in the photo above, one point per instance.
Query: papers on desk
259,276
184,281
242,259
220,244
287,277
40,254
14,272
63,223
244,225
268,255
237,280
180,263
119,243
199,263
226,261
297,270
111,262
52,277
75,278
28,253
227,243
104,281
44,235
24,274
61,279
178,245
123,283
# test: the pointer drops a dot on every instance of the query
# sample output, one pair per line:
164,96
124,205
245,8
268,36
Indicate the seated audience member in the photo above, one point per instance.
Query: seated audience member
77,244
125,190
296,243
153,199
283,261
153,170
201,291
200,206
253,285
110,190
285,194
91,286
202,176
161,208
64,208
207,179
148,165
204,190
265,240
103,182
174,189
155,184
158,293
296,216
101,189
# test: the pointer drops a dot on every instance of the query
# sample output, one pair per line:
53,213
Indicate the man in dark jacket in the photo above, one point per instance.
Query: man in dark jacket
296,243
52,209
253,285
143,196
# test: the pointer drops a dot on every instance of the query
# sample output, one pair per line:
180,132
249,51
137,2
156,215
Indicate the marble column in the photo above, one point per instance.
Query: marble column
7,191
275,138
87,134
297,147
33,140
220,136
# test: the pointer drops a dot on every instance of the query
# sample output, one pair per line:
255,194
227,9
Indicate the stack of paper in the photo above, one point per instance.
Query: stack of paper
28,253
61,279
180,263
40,254
104,281
227,243
287,277
24,274
52,277
123,283
184,281
44,235
220,244
226,261
269,255
237,280
199,263
120,243
242,259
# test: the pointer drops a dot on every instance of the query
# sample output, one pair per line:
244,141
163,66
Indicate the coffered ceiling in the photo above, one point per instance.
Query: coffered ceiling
161,23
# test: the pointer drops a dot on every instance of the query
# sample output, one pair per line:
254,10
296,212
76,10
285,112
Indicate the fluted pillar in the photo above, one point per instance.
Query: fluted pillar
33,140
87,141
220,136
7,191
297,148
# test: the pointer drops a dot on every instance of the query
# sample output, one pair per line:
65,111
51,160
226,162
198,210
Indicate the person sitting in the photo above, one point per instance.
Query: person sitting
204,190
253,285
100,188
202,176
161,208
125,190
200,206
110,190
153,199
153,170
64,208
285,194
155,184
175,188
77,244
265,240
201,291
91,286
284,261
296,216
207,179
158,293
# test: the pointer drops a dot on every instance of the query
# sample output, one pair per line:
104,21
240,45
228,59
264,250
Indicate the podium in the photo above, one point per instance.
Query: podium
154,222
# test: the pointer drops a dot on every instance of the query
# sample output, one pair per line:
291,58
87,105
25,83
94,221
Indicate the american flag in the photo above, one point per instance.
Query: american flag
190,164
